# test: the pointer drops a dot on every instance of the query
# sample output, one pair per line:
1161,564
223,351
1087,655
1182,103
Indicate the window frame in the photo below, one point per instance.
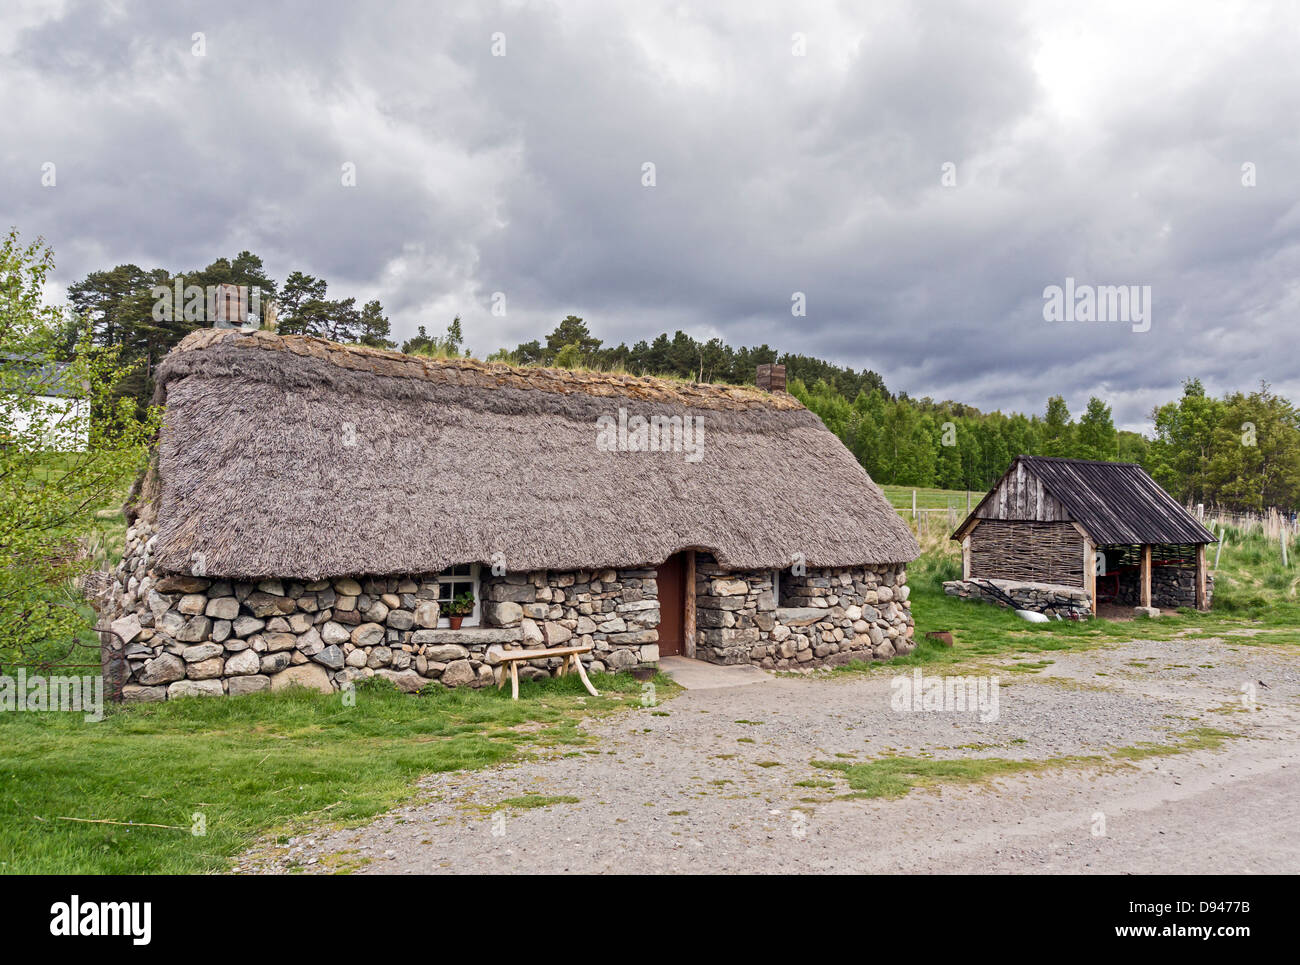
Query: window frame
473,619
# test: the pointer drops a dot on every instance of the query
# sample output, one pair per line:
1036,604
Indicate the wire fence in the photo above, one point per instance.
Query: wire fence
1273,523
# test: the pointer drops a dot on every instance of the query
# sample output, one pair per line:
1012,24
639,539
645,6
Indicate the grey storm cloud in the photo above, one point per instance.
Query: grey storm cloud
795,150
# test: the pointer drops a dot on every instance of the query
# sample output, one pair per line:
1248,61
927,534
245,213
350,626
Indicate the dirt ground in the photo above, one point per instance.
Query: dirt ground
710,781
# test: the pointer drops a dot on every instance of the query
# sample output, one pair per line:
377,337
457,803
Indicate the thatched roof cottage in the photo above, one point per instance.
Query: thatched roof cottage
315,509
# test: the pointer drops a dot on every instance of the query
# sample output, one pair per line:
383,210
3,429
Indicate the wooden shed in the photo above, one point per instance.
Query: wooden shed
1105,527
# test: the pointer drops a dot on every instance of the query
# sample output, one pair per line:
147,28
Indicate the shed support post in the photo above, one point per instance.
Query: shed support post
1200,576
1090,572
1146,574
965,557
688,608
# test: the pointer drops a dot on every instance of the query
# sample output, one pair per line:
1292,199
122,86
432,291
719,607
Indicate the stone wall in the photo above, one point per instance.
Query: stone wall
829,616
1052,599
176,635
1171,587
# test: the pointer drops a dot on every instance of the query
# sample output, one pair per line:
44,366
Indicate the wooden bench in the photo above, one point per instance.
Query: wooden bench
509,661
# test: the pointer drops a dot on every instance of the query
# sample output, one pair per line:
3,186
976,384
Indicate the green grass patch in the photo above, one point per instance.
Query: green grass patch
528,801
893,777
1197,739
900,497
259,764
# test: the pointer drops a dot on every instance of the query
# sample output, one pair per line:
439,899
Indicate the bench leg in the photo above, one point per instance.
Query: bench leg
583,674
514,680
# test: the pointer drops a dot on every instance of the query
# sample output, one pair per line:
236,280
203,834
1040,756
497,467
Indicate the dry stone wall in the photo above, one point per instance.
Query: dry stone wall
1051,599
1171,586
824,617
175,635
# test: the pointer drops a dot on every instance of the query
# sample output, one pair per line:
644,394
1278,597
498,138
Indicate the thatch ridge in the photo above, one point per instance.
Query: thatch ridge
296,457
468,371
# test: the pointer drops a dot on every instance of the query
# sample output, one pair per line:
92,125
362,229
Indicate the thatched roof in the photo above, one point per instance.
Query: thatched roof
297,457
1117,503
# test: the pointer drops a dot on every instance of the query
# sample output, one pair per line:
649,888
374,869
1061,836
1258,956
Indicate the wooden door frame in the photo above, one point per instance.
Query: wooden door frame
688,606
672,571
686,574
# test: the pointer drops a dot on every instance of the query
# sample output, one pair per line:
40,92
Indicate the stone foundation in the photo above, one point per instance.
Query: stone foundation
1052,599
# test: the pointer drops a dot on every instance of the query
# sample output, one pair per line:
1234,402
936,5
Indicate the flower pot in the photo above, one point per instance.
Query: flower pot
455,622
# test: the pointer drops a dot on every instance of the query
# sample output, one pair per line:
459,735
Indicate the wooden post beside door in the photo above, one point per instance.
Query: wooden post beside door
1146,574
688,608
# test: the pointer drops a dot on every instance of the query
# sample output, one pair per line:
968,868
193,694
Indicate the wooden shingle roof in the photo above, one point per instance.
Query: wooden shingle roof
1114,502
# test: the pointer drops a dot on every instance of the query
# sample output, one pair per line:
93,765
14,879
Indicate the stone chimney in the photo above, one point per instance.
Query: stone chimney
771,378
236,306
229,306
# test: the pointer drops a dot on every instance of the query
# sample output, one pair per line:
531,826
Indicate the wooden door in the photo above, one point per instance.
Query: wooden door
672,598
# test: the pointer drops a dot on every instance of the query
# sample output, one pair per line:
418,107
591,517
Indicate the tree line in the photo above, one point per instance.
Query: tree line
1240,451
129,308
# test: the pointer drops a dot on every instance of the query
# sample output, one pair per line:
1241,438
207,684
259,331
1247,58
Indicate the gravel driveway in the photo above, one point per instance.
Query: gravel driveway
710,781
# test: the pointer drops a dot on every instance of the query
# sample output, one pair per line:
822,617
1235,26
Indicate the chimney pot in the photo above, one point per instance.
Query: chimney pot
771,377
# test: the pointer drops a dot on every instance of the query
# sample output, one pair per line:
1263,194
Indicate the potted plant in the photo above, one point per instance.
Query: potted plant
459,607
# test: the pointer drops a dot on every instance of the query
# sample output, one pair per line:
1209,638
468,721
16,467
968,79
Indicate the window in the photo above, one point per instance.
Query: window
453,582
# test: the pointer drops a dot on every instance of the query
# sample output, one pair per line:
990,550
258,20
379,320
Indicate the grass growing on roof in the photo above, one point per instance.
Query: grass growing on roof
254,765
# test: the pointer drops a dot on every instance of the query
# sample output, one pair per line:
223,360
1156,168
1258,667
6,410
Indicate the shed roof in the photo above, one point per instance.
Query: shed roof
1115,502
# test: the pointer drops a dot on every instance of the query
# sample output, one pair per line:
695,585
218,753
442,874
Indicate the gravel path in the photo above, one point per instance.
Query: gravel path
707,782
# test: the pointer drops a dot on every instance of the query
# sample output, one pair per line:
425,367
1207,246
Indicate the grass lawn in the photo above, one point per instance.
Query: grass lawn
901,499
265,763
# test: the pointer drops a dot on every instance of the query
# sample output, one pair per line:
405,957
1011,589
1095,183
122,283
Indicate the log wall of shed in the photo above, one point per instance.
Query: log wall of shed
1027,550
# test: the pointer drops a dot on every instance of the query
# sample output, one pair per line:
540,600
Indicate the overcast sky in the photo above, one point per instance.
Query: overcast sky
796,148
